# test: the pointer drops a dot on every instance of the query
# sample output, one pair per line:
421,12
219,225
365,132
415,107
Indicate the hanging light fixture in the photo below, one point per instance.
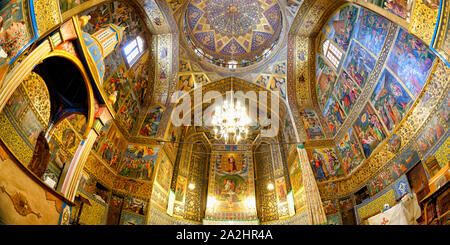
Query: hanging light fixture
230,121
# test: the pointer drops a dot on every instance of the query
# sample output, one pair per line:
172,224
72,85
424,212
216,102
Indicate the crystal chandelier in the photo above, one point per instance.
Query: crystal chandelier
230,121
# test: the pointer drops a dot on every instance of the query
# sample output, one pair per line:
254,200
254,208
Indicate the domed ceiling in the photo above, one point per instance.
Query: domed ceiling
232,30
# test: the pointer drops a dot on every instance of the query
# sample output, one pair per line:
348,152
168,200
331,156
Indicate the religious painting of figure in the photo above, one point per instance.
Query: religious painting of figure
78,121
379,182
65,5
444,110
232,163
111,147
31,126
185,83
164,174
403,163
359,64
200,79
311,123
15,29
340,26
138,77
334,115
345,204
346,91
295,172
280,68
151,122
100,16
326,78
369,130
128,113
391,100
16,104
395,143
281,189
139,161
41,155
430,135
116,201
371,31
279,84
114,84
411,61
330,207
350,152
325,164
68,139
99,140
135,205
263,80
180,189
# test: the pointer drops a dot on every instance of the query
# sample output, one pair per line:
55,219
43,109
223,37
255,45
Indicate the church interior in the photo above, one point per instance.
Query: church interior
224,112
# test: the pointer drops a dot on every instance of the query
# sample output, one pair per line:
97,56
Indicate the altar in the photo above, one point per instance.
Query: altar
406,212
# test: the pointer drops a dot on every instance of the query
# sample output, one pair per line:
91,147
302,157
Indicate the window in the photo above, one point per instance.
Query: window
133,50
332,53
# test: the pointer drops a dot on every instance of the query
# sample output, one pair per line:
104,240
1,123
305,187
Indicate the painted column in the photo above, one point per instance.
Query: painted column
72,177
316,213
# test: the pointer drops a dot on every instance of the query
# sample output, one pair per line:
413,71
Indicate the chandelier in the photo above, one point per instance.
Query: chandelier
230,121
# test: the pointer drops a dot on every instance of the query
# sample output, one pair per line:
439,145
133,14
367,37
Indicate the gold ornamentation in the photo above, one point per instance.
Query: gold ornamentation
20,203
47,14
36,91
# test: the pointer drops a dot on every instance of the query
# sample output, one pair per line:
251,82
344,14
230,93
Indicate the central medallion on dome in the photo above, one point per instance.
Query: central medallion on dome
233,17
239,32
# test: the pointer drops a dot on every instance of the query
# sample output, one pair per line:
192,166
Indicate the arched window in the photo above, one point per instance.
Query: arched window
133,50
332,53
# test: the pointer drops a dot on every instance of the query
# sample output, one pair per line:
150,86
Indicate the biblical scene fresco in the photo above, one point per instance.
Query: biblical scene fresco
371,31
139,78
128,113
139,162
16,31
401,8
334,115
110,147
359,64
78,122
117,88
346,91
411,61
430,135
325,78
369,130
151,122
391,100
340,27
325,164
312,125
350,152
